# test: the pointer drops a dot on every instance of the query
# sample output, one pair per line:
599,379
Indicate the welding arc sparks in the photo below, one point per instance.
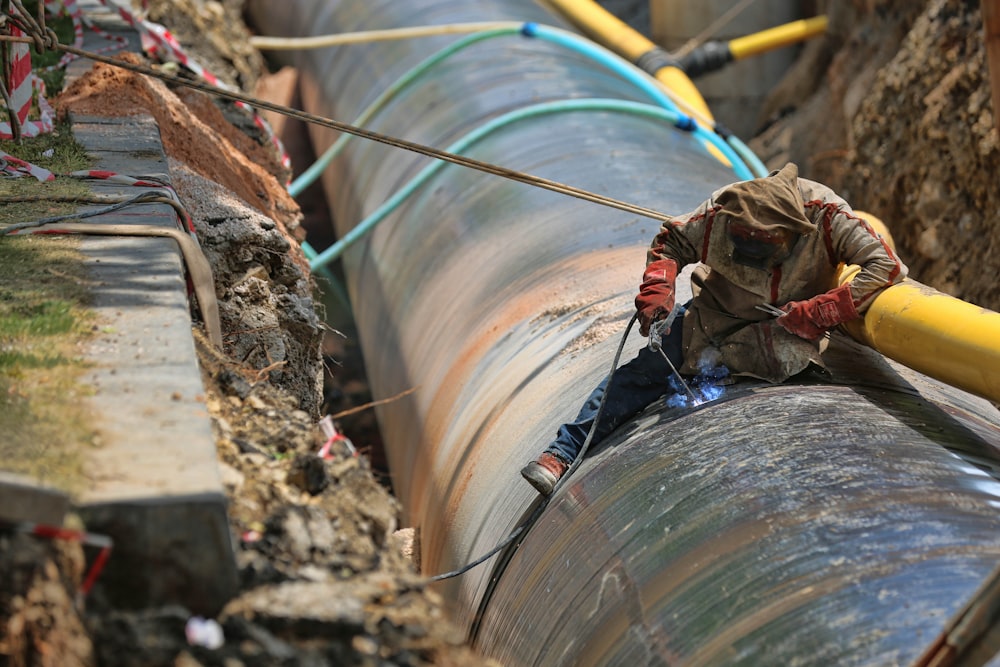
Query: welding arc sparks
704,388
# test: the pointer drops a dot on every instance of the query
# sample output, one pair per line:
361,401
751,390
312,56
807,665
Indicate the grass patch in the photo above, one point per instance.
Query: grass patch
43,319
44,416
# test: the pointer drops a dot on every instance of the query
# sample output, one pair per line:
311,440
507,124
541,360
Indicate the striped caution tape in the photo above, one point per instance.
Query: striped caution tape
71,8
21,85
142,182
102,542
159,43
16,167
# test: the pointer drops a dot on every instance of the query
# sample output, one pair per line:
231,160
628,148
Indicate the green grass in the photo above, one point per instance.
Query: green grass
43,321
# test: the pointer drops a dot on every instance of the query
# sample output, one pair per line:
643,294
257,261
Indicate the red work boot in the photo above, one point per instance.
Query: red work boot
545,472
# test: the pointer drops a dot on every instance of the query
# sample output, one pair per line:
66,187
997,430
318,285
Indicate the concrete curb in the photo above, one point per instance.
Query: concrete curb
154,485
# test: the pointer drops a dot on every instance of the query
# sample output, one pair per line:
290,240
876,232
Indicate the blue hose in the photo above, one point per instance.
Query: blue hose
738,154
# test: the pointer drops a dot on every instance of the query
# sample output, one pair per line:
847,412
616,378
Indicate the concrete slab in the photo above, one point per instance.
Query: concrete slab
154,481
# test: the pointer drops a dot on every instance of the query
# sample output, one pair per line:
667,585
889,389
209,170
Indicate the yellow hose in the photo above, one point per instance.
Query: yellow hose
606,29
935,334
265,43
777,37
931,332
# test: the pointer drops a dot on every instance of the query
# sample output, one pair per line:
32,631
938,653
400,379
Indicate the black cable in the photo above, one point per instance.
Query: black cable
142,198
529,522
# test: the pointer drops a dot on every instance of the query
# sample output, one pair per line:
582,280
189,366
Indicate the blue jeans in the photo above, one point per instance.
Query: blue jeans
632,387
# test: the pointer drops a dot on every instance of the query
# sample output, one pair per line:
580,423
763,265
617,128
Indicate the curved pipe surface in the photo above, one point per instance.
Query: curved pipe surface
838,519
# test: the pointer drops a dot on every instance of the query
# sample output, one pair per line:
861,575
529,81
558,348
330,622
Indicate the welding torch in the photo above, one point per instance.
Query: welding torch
656,331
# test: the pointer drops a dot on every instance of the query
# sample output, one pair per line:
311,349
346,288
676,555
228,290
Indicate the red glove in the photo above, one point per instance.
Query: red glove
810,319
656,294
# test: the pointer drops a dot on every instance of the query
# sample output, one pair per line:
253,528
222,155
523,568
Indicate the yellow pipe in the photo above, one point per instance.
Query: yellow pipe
936,334
619,37
777,37
931,332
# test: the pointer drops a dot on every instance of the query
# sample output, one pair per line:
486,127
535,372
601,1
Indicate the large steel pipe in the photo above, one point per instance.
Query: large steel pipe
827,521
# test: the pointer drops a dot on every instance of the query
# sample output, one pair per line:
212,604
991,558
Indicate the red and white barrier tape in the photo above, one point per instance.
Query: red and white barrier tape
16,167
72,9
333,435
157,42
187,223
102,542
22,86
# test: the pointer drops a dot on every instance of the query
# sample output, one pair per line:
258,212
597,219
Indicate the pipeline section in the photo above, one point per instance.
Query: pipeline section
836,519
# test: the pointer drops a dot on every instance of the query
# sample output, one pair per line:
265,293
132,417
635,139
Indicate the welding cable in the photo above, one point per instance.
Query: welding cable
396,142
113,204
388,140
560,106
521,531
141,198
741,158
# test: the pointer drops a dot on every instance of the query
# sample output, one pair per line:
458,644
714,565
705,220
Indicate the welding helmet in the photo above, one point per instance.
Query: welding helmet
764,218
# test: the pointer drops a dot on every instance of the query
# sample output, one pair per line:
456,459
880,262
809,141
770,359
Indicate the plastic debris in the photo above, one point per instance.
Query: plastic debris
333,435
204,632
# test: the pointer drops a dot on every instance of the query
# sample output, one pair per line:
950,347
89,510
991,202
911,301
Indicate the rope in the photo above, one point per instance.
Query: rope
713,28
340,126
561,106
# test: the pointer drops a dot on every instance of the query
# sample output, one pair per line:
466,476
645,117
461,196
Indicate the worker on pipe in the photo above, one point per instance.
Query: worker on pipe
770,249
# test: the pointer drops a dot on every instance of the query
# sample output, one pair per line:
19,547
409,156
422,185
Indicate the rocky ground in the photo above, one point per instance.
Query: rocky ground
892,108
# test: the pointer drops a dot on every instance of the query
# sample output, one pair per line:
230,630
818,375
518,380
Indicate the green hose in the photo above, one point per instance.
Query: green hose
560,106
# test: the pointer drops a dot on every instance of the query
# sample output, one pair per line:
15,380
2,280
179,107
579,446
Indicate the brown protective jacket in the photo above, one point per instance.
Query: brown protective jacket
722,325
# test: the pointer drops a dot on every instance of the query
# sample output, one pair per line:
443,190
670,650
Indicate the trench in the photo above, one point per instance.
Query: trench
703,535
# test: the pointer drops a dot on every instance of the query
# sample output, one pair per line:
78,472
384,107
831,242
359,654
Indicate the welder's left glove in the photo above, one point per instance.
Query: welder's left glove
813,317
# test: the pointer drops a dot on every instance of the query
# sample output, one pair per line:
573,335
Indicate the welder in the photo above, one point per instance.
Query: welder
764,298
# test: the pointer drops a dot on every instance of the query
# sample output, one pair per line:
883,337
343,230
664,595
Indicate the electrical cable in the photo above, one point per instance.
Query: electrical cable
141,198
526,525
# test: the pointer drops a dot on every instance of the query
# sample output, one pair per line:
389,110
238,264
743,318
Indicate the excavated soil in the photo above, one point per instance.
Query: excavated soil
326,575
891,108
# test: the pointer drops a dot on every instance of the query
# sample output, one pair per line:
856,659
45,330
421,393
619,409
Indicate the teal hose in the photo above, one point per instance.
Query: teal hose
735,151
640,79
561,106
554,35
751,159
307,177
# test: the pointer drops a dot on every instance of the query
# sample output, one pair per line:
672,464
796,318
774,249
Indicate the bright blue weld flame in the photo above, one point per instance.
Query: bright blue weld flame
706,386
